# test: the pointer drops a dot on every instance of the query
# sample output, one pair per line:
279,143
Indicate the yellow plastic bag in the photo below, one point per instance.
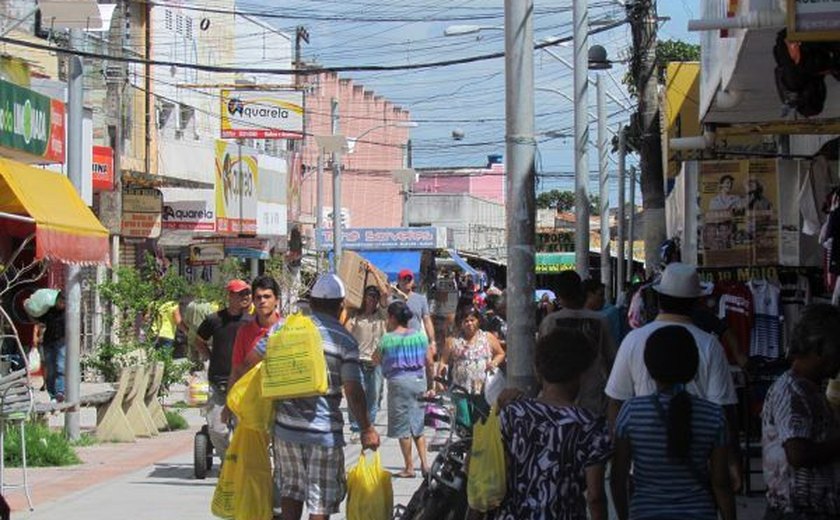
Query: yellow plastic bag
294,364
245,487
486,477
369,492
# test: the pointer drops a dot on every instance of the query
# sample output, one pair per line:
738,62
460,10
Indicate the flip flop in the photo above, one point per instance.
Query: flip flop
404,474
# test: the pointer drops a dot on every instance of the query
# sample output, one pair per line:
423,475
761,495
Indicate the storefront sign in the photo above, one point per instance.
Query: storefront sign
555,241
31,123
372,239
141,213
272,211
247,248
207,253
262,114
739,203
237,175
548,263
812,20
188,209
102,170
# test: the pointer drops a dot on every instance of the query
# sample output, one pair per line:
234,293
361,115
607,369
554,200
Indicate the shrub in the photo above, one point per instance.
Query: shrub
44,447
175,421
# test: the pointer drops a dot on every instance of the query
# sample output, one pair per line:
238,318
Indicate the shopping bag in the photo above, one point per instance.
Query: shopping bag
245,486
369,492
294,364
245,400
486,477
40,302
494,383
198,391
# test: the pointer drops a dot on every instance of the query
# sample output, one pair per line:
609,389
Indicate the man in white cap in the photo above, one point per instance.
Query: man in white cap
678,291
308,432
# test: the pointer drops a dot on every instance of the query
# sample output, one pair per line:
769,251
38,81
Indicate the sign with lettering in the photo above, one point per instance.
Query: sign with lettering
371,239
810,20
31,123
102,168
188,209
549,263
262,114
141,213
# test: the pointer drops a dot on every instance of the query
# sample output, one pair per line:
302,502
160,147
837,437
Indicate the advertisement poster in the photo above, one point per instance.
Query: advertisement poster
237,175
739,203
262,114
141,213
31,124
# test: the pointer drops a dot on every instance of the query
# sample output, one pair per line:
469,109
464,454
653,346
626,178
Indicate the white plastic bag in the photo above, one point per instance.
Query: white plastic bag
494,383
34,360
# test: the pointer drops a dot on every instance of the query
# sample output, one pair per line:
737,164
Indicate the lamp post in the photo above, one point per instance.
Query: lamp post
597,58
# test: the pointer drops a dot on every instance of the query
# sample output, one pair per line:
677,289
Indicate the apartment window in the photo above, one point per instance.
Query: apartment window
188,28
168,21
179,23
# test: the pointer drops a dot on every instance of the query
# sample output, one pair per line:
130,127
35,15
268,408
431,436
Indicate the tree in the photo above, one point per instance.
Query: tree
565,201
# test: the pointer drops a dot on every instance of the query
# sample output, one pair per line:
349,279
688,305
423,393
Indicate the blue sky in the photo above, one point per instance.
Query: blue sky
469,97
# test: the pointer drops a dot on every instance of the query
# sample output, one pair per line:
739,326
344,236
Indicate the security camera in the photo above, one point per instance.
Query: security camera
457,134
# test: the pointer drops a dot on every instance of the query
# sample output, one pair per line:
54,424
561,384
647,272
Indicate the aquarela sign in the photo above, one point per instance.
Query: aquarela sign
31,123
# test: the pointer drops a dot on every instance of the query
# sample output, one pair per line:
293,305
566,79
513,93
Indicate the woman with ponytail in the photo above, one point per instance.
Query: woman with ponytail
676,442
405,358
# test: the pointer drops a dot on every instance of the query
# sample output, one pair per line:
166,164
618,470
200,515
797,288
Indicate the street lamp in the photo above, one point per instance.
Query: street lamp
338,144
598,61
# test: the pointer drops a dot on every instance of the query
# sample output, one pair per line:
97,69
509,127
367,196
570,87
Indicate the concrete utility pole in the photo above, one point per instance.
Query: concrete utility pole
603,186
520,197
73,283
631,226
642,16
580,20
336,158
620,215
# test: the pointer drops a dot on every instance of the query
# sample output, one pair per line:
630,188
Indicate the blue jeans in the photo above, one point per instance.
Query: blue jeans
54,356
372,385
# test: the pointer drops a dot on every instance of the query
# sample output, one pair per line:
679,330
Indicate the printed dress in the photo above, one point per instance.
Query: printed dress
469,362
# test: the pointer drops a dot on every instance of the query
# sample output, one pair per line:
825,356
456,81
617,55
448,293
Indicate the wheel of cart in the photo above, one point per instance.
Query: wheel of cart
202,453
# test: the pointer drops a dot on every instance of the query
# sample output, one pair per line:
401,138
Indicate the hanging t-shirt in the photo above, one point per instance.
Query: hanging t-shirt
735,305
767,332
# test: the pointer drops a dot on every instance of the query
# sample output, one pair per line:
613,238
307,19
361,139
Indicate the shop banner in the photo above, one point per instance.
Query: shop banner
813,20
550,263
141,213
102,169
272,211
31,123
262,114
371,239
739,203
247,248
206,253
188,209
237,175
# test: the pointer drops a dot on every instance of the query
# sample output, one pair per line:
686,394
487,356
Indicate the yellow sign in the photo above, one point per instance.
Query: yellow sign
236,180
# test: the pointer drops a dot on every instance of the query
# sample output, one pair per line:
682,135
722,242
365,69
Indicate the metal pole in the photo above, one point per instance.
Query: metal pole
336,157
520,197
241,184
580,20
620,214
603,187
631,231
406,187
72,283
319,200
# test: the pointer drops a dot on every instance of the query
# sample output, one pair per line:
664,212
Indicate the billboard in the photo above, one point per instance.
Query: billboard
102,168
188,209
739,205
272,212
262,114
372,239
236,180
32,124
813,21
141,213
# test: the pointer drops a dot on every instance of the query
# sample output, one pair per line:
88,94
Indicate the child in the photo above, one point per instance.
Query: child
555,450
677,442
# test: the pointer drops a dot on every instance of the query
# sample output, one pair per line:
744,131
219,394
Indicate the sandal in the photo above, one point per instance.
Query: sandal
404,474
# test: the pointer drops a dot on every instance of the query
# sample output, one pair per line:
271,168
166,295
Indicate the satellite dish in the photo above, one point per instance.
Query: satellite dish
458,134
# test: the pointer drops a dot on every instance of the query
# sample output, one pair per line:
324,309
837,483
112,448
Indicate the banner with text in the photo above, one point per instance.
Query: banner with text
141,213
370,239
237,175
262,114
31,125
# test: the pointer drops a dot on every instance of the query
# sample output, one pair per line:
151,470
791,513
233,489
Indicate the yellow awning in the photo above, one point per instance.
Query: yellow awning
65,228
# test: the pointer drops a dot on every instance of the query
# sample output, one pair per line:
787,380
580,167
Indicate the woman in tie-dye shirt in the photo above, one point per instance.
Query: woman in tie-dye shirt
405,359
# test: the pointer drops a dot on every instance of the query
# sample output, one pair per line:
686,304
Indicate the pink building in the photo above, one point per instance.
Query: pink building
484,183
368,194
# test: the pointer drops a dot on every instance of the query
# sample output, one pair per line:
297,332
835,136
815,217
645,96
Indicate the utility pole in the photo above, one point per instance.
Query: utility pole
642,16
73,283
620,216
336,158
631,227
520,197
580,20
603,186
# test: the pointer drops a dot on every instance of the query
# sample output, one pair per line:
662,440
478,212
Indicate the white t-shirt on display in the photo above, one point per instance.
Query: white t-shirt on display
630,377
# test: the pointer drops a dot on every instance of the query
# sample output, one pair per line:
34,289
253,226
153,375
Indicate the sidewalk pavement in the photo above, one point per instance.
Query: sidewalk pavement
153,478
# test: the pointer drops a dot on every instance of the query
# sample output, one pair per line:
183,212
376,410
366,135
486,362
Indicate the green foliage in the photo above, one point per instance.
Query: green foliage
44,447
85,440
233,267
565,201
666,51
175,421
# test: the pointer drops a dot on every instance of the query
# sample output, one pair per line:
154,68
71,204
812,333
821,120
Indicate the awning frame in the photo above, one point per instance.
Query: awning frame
12,276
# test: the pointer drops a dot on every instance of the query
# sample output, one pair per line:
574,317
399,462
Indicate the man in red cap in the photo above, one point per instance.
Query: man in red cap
215,339
421,319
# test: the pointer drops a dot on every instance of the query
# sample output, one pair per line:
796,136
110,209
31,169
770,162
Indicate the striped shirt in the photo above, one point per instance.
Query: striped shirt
318,420
403,352
666,488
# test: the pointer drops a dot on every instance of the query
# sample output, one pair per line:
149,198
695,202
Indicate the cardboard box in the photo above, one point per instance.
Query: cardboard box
357,273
